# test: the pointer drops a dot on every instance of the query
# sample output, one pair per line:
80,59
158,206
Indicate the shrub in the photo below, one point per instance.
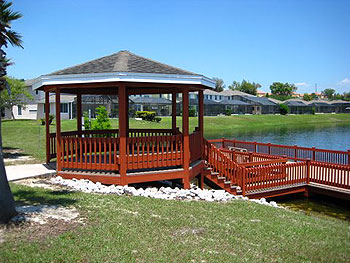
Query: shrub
313,110
192,112
51,117
228,112
284,109
87,122
102,121
157,119
146,115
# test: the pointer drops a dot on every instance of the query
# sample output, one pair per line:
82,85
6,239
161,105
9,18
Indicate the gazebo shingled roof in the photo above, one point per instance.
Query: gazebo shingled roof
123,61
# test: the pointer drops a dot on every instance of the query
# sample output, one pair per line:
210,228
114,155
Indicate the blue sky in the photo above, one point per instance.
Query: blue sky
304,42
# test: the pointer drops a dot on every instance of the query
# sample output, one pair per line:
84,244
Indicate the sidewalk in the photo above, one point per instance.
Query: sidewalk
18,172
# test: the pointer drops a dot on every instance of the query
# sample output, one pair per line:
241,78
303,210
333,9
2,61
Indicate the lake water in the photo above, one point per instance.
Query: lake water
336,137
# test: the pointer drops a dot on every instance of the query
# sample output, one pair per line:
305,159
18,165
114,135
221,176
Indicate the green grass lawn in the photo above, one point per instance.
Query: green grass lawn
137,229
29,135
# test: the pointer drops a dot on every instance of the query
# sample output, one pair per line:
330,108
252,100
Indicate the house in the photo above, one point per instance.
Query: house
322,106
161,106
261,105
298,106
237,106
30,111
341,106
260,93
34,109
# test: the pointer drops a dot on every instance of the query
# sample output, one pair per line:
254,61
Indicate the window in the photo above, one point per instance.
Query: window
210,96
19,108
64,107
36,92
216,97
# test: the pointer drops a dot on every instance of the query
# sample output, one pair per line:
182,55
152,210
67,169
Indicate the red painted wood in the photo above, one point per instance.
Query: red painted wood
58,129
292,152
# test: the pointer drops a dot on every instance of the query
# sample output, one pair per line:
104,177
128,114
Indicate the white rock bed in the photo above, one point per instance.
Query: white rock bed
167,193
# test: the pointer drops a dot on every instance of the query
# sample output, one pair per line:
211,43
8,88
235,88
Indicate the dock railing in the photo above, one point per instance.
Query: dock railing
260,172
295,152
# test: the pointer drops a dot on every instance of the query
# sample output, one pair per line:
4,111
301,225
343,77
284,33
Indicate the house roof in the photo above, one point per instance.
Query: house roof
64,98
212,92
275,101
234,102
150,100
339,102
260,100
229,92
123,61
319,103
205,102
296,102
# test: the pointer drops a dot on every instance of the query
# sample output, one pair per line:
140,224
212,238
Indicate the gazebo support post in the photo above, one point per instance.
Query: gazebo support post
47,125
173,112
122,133
186,139
201,121
79,115
127,112
58,129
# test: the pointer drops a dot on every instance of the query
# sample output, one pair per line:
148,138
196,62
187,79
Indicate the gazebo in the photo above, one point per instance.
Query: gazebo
125,155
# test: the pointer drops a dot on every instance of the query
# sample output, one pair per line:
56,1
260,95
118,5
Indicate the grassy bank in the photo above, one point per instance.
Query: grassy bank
30,135
137,229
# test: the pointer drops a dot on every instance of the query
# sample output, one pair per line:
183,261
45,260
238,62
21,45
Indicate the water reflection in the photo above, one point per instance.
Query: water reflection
318,205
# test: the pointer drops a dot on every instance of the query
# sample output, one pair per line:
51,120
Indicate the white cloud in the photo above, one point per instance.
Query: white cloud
302,84
345,81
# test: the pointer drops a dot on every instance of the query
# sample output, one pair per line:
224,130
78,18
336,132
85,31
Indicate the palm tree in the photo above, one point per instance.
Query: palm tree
7,203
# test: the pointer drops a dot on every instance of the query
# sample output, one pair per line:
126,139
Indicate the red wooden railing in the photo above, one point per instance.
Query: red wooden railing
195,146
89,153
154,151
113,133
292,152
245,157
260,172
150,132
330,174
220,163
272,176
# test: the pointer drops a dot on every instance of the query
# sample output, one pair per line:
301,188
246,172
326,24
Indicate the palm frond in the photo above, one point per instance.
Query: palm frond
14,38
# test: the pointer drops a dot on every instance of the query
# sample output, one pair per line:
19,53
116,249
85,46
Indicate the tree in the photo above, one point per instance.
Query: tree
245,86
346,96
314,96
329,93
7,203
18,95
284,109
219,84
282,89
307,97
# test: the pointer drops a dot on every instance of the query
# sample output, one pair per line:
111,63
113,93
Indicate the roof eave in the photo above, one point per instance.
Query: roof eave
123,77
